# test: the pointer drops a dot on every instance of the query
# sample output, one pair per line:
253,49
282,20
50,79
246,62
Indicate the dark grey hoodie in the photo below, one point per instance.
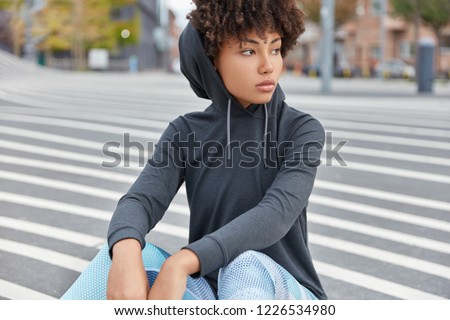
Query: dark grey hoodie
248,175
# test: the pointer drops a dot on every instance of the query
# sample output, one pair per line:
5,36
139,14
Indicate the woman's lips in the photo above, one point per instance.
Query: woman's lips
266,86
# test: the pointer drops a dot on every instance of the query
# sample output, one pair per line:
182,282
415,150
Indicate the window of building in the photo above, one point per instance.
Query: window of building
360,10
375,7
375,52
445,45
445,41
122,13
406,49
115,14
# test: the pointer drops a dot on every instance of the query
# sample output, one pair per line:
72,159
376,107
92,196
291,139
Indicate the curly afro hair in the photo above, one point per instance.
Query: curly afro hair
220,20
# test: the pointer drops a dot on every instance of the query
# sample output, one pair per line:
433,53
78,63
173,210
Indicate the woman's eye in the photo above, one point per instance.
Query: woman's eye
276,51
247,52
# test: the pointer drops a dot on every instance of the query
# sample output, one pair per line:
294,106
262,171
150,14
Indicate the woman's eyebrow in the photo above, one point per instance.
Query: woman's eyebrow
257,43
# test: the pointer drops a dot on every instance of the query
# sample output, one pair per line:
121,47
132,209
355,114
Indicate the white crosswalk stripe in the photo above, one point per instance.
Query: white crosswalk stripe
380,225
14,291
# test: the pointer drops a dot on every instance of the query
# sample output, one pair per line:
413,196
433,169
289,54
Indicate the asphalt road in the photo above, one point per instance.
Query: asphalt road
379,219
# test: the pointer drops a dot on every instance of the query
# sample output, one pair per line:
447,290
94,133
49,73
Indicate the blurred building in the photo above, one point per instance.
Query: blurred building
174,53
307,51
357,43
13,25
5,34
359,39
150,45
152,48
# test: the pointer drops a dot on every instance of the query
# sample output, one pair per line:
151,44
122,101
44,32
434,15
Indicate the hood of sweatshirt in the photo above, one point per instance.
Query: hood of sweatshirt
205,81
203,77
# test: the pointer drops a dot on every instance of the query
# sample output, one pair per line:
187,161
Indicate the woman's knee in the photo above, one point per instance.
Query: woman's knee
246,277
251,259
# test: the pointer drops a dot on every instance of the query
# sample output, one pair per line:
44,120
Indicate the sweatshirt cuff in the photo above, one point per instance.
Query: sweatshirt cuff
210,253
124,233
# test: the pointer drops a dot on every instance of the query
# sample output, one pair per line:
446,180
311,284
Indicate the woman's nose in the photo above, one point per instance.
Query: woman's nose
266,66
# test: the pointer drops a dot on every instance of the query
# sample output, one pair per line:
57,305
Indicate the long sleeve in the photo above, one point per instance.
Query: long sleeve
273,217
139,210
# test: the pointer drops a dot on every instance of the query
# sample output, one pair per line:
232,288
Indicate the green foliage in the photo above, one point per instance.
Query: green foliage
97,30
62,26
403,8
54,25
7,4
344,10
133,26
122,3
407,9
436,13
311,9
13,34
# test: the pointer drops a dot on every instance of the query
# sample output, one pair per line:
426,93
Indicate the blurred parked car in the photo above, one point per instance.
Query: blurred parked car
395,69
345,71
447,74
312,70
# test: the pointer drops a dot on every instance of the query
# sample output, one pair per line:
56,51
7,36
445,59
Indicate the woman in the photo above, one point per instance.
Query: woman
248,162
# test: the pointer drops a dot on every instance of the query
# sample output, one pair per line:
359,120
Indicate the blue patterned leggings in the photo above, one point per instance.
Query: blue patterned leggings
251,276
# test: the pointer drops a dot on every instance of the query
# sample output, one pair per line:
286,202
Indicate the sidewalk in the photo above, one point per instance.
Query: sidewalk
294,84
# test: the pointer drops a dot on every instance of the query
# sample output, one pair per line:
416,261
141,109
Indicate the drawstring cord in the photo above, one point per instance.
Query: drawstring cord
266,127
229,132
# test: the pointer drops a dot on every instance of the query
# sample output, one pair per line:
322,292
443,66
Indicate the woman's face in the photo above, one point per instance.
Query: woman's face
250,70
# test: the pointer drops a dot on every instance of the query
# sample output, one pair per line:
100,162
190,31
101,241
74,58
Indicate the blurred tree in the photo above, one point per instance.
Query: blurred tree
345,10
15,33
132,25
311,9
122,3
410,10
75,25
54,25
434,13
7,4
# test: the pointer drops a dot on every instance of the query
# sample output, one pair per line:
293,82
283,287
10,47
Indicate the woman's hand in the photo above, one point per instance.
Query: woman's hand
170,284
127,278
